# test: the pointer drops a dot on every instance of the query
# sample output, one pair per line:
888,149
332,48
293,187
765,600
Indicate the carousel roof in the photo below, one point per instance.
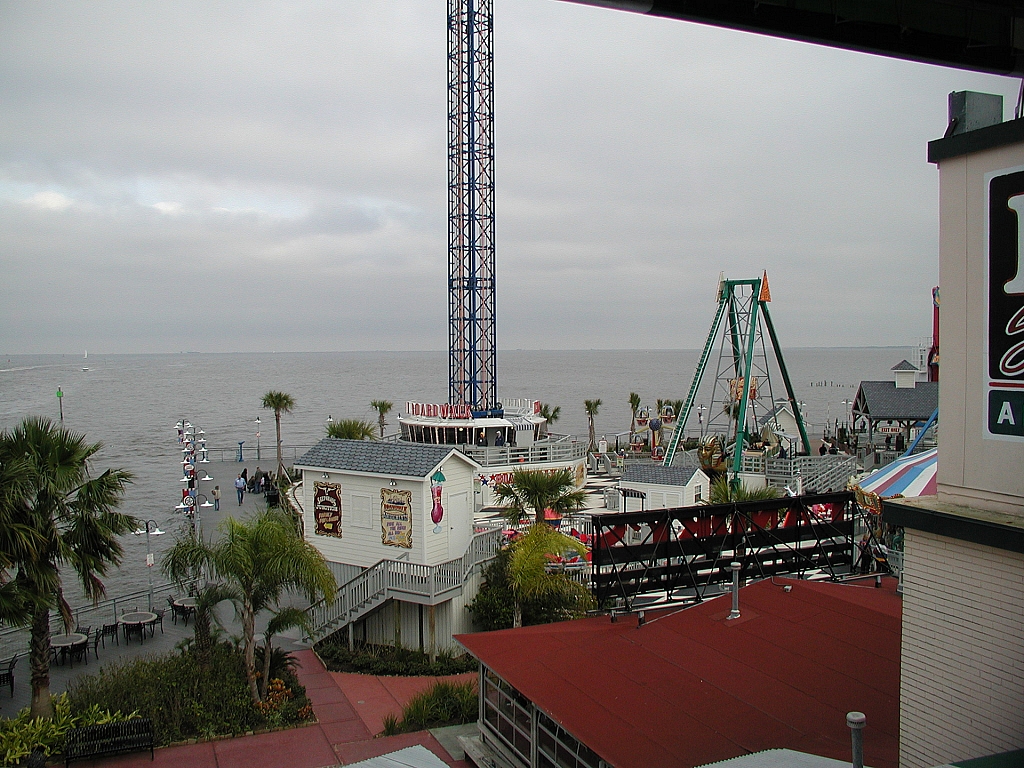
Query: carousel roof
907,476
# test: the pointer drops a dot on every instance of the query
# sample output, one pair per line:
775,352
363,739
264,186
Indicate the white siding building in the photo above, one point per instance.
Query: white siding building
652,486
395,523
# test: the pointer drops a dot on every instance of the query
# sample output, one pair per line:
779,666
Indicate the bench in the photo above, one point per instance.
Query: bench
91,741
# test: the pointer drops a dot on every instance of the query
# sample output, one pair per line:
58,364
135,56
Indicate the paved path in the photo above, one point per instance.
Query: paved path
343,735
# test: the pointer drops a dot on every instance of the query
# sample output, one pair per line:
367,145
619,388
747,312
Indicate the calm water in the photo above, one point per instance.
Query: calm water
131,402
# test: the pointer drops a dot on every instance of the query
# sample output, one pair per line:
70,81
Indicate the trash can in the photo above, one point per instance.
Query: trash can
273,496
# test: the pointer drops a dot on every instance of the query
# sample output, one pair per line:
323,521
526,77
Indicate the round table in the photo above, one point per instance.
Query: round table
184,607
138,619
64,643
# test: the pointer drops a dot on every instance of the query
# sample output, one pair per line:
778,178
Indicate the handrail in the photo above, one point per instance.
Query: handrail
370,587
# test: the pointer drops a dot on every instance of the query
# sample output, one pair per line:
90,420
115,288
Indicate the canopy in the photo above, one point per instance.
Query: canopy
907,476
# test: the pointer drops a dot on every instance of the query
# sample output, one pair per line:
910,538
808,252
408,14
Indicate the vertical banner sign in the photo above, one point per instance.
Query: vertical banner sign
396,518
1004,307
327,509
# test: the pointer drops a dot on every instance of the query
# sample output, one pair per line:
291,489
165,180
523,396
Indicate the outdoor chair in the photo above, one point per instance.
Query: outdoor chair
79,652
109,630
159,620
7,675
84,630
97,637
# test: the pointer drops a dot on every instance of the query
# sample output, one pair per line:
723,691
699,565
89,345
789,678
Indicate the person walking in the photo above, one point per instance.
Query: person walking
240,487
216,498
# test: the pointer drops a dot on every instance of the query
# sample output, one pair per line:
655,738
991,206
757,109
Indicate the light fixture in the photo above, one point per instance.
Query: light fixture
392,483
324,475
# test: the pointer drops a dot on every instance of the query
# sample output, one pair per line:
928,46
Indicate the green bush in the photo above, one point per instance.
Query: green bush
184,699
20,736
444,703
388,660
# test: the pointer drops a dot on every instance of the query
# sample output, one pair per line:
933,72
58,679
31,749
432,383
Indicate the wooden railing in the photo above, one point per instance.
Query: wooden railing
427,584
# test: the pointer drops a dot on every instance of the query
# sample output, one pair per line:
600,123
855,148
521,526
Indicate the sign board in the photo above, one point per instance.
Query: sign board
327,509
1004,306
396,518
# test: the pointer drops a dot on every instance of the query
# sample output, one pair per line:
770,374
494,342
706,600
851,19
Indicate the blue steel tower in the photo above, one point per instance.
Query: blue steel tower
472,366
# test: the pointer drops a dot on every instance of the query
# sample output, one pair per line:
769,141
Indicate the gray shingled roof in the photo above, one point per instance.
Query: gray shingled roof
903,365
883,401
655,474
402,459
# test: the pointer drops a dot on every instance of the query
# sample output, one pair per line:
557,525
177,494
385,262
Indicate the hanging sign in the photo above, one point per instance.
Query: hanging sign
436,510
1004,306
327,509
396,518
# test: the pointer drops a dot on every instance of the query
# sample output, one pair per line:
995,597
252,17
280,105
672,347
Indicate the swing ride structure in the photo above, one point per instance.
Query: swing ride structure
741,332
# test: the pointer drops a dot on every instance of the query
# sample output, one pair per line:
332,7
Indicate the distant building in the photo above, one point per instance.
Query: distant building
891,408
689,687
652,486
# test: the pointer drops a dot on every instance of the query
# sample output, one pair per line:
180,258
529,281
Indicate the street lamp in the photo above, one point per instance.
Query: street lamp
149,554
257,438
700,418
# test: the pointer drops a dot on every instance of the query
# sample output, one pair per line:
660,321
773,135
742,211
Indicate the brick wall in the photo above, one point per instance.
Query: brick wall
962,684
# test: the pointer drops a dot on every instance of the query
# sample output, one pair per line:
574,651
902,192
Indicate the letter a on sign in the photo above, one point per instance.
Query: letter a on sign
1006,414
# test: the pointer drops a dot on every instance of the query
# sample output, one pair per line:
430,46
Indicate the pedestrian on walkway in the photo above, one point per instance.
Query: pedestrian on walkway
240,487
216,498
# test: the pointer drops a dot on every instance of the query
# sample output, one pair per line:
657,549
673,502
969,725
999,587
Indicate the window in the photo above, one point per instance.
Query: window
556,748
696,493
507,715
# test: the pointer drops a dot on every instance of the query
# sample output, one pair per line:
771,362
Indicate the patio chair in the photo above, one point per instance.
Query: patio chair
84,630
159,620
109,630
97,637
79,652
7,675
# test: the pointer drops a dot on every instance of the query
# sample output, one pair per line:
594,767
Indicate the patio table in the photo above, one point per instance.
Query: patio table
64,643
138,619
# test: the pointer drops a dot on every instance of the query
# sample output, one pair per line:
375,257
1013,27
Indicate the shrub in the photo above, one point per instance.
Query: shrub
388,660
444,703
186,700
20,736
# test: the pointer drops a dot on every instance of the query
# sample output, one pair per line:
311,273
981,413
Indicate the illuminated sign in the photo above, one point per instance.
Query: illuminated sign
1004,306
439,410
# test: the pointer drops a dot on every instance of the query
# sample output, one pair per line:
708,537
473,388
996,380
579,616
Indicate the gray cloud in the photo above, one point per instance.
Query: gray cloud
280,169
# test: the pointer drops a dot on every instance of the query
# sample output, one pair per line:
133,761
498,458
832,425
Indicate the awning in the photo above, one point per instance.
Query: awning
520,423
909,476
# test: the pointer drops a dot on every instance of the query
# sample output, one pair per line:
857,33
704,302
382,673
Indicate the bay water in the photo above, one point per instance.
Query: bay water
131,403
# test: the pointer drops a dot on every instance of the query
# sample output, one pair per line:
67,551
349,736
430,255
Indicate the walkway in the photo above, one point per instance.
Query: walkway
350,710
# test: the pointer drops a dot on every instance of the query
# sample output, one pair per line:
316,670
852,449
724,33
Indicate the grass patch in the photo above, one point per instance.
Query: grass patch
388,660
442,704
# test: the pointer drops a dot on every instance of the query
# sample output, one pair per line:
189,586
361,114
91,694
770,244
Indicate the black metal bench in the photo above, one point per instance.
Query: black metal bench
91,741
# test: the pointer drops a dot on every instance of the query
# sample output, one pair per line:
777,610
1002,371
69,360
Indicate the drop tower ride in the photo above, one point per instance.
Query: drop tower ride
472,365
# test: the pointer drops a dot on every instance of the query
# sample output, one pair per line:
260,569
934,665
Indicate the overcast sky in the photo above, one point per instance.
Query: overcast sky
272,176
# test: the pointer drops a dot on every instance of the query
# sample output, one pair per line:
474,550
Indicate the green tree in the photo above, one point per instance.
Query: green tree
383,408
18,540
725,492
534,491
75,516
591,407
634,407
278,402
550,412
528,577
256,561
352,429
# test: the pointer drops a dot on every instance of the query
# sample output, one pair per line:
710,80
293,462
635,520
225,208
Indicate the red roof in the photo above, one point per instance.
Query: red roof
690,688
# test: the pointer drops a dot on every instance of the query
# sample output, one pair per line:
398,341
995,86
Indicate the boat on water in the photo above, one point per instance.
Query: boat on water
513,435
86,357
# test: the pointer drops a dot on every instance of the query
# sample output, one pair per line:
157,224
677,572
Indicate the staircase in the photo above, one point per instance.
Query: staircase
402,580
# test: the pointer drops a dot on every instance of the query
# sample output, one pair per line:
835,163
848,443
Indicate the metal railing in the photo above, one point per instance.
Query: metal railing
537,453
399,578
289,453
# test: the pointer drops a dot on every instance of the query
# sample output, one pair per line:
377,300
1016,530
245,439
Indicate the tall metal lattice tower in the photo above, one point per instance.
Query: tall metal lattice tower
472,366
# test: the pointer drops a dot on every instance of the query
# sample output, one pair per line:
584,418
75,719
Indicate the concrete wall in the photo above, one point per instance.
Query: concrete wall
962,681
972,470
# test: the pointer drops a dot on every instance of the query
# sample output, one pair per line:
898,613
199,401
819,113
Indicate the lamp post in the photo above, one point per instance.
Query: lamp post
700,418
150,562
257,438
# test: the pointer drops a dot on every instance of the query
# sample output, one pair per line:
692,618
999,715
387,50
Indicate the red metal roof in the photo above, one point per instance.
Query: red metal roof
690,688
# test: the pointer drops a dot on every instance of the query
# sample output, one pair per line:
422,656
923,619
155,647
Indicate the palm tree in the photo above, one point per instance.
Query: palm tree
78,524
352,429
550,412
18,541
288,617
278,402
533,491
256,561
634,406
725,492
527,570
382,407
591,407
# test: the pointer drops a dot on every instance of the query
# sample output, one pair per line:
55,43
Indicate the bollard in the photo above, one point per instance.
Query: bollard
735,612
856,721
